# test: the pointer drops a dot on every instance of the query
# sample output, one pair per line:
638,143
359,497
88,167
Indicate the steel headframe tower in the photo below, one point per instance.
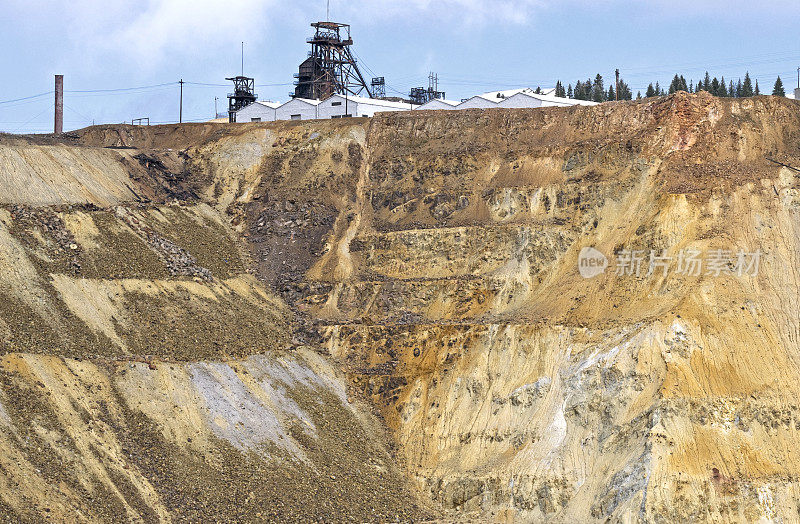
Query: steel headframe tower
243,95
378,85
420,95
330,67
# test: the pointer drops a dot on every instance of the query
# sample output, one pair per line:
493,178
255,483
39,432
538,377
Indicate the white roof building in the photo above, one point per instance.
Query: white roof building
514,98
438,103
297,109
338,106
257,112
527,99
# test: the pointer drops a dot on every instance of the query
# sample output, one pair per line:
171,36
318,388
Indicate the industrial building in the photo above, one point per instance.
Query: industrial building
298,109
338,106
257,112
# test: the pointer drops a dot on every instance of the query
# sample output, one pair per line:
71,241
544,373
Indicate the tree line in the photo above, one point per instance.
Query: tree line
594,90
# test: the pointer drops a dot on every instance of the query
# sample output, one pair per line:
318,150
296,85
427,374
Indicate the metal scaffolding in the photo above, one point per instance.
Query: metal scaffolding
243,95
330,67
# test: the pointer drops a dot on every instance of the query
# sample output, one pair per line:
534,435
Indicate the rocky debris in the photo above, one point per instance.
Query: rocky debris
178,261
60,242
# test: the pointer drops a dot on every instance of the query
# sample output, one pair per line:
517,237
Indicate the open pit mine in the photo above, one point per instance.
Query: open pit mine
570,315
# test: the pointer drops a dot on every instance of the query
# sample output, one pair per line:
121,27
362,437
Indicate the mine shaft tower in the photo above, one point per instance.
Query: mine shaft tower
330,67
243,95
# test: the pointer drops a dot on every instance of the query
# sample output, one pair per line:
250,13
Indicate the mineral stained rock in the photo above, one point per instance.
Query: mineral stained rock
390,316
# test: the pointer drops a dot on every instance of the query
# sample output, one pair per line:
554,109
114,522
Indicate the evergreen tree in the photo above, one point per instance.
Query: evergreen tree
707,82
638,95
747,86
538,90
611,94
560,89
778,90
699,87
659,91
579,93
625,92
739,89
684,87
731,89
714,87
675,85
691,86
758,91
598,91
569,91
651,92
723,89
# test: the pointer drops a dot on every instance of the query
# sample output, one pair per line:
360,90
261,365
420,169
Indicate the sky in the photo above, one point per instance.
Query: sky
122,59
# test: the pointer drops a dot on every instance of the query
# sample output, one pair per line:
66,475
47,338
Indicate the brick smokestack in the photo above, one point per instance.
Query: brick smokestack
59,119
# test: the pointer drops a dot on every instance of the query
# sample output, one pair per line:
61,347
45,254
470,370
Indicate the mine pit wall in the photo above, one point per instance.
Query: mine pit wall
145,372
444,280
433,256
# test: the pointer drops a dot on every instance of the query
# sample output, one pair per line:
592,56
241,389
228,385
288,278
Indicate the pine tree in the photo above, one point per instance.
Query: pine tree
747,86
638,95
611,94
659,91
707,82
739,89
714,87
560,89
538,90
731,89
723,89
691,86
651,92
675,85
569,91
598,91
578,93
625,92
758,91
700,86
778,90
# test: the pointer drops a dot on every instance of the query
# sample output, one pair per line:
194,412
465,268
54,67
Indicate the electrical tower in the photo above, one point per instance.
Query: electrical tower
420,95
243,95
330,67
378,85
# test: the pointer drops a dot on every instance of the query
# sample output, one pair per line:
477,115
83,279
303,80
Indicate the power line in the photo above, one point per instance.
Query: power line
27,97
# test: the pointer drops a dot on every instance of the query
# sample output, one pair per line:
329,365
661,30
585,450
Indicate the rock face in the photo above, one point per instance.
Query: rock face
146,375
434,258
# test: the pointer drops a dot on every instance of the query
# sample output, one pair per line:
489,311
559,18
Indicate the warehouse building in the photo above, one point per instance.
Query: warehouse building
338,106
438,103
297,109
258,112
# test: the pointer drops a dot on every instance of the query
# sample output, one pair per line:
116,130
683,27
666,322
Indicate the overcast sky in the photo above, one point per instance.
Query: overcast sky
474,45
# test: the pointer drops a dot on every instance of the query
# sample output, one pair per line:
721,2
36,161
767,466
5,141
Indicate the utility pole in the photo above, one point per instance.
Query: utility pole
617,91
58,126
242,58
215,106
180,117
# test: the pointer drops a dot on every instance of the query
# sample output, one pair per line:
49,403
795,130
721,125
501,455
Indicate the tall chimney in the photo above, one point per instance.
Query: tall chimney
59,120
